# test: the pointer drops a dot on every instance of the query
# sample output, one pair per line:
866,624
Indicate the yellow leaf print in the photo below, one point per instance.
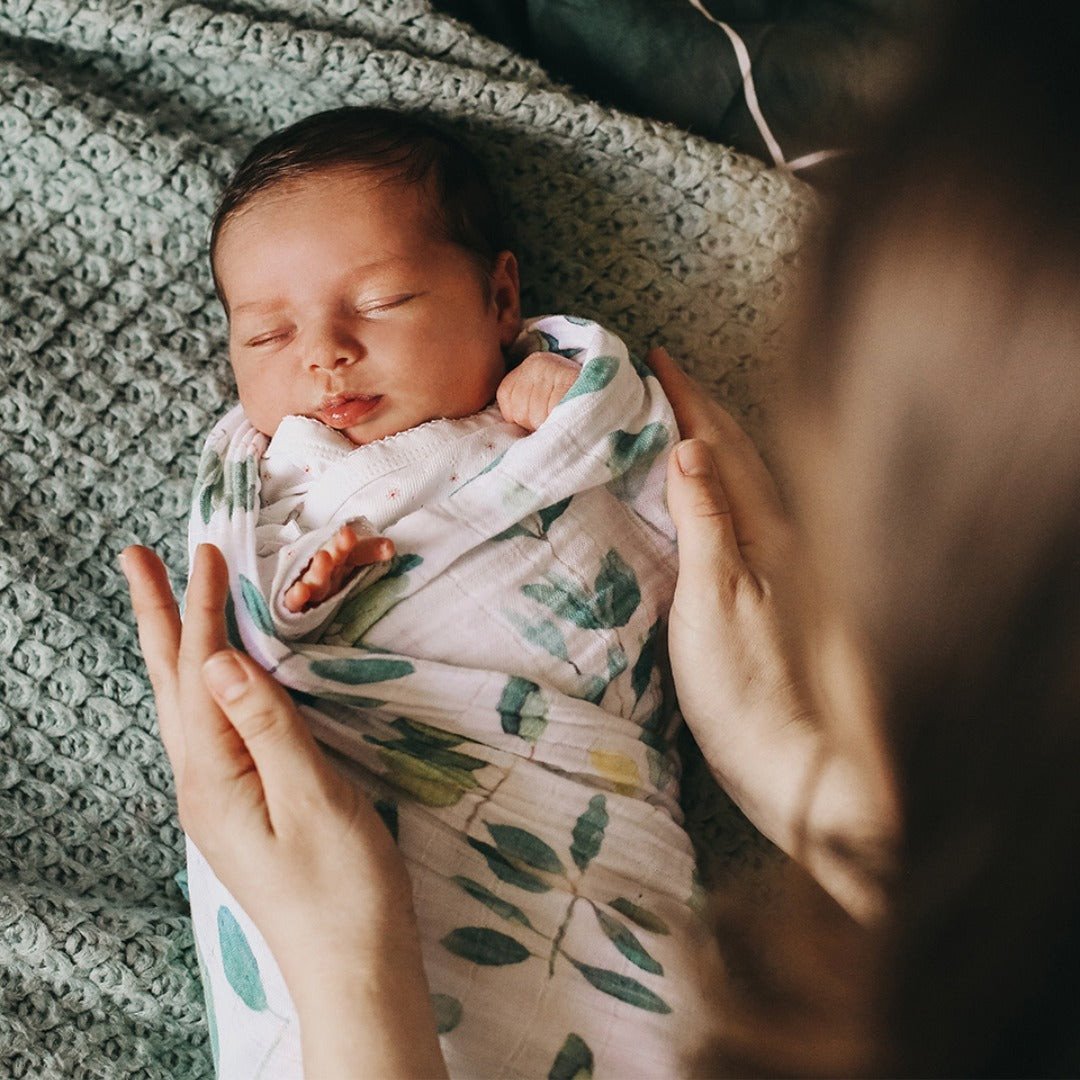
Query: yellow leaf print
618,768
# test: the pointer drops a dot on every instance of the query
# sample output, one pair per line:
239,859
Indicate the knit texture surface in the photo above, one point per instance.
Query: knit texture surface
119,123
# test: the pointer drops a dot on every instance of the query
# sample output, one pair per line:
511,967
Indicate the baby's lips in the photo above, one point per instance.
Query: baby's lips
345,412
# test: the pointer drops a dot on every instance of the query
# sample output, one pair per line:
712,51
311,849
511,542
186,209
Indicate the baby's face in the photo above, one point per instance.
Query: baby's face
345,305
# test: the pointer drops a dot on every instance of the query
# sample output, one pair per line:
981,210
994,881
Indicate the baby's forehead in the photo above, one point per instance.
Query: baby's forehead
361,189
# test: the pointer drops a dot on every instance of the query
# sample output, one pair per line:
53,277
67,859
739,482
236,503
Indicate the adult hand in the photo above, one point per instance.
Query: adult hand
297,844
737,664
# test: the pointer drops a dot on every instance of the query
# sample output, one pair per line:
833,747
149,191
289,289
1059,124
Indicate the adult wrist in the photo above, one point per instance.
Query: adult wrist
368,1012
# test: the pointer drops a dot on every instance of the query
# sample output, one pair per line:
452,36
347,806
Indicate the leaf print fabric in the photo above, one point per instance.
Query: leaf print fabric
588,832
523,845
483,946
610,603
624,940
361,671
241,967
503,908
645,919
574,1061
256,606
496,689
522,710
623,988
447,1011
595,375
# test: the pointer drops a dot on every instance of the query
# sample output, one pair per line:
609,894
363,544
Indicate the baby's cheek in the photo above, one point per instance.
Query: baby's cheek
488,375
264,413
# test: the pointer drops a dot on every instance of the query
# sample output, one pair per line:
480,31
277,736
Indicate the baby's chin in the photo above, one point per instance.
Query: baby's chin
383,426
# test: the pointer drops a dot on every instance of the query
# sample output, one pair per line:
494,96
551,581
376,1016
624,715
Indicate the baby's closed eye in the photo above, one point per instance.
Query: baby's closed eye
384,304
268,337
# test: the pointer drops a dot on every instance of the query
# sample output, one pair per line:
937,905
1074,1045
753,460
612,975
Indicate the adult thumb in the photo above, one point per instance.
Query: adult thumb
267,720
700,510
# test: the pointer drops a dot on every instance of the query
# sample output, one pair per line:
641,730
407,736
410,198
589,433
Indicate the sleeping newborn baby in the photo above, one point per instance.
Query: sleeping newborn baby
446,534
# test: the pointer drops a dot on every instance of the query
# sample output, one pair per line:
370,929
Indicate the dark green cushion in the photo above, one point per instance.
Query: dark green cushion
820,66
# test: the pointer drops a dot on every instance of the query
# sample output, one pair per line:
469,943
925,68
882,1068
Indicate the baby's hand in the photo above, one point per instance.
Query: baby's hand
527,394
332,564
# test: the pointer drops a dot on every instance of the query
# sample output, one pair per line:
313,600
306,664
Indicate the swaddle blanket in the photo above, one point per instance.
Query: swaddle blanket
501,679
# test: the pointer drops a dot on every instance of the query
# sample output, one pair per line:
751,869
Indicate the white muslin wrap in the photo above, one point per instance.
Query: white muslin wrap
497,689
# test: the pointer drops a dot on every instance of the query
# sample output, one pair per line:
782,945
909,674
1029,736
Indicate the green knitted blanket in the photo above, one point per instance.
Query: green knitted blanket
119,122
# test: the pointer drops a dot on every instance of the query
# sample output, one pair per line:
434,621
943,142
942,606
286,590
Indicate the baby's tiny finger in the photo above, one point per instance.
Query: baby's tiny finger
345,540
319,568
505,394
296,596
370,549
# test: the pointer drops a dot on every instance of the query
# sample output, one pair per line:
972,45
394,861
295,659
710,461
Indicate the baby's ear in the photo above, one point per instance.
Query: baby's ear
506,296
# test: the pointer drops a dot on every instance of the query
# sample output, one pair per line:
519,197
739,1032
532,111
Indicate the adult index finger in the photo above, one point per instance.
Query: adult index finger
157,618
288,767
757,512
214,753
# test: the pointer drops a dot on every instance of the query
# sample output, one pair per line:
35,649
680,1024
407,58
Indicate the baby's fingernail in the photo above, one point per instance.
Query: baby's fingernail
694,458
225,676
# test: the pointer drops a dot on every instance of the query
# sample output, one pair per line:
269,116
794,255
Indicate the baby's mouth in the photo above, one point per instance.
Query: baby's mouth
345,410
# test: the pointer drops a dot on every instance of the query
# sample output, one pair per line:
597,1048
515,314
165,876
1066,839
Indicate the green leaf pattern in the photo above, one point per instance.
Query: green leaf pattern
522,709
423,762
641,675
503,908
542,520
505,870
623,987
516,848
229,483
574,1061
614,598
624,940
484,946
595,375
238,959
362,610
629,450
256,606
388,811
550,514
637,914
356,672
526,846
588,832
543,634
447,1012
209,483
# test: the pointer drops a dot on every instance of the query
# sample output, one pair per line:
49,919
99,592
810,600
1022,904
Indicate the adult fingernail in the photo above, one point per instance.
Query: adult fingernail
694,458
225,676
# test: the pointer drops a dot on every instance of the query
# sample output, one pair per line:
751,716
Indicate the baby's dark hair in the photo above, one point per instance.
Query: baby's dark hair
394,145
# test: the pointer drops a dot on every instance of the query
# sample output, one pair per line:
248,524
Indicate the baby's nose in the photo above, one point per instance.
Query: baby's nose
334,347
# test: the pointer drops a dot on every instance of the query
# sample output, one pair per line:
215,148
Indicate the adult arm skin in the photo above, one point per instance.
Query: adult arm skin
736,664
297,844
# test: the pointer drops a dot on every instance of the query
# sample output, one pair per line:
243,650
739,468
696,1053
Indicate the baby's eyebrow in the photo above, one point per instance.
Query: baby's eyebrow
354,276
257,305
